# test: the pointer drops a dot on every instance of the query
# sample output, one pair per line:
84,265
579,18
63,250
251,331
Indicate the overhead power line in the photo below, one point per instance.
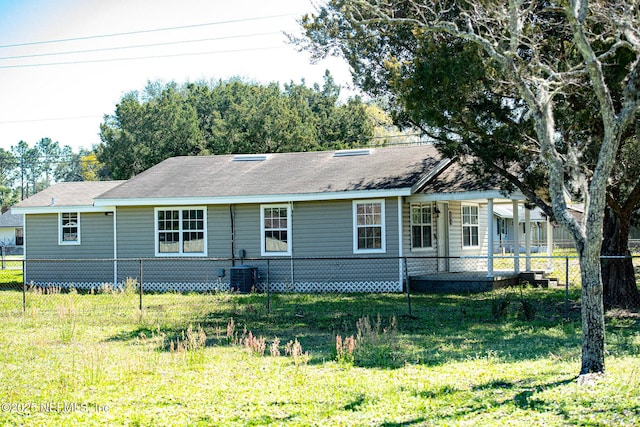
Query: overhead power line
51,119
154,30
136,58
104,49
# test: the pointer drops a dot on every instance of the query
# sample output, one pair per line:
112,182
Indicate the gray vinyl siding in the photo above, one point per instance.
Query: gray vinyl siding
393,239
219,231
135,227
136,239
45,262
455,239
247,230
322,229
318,230
96,237
325,229
421,260
136,232
406,236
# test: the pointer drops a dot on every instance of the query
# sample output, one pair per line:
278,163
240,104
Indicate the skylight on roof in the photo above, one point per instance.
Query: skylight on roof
249,157
349,153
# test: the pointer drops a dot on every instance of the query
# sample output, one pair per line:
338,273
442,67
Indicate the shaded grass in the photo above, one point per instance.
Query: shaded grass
453,364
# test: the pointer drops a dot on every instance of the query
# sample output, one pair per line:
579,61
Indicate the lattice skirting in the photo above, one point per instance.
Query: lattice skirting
345,287
221,286
95,287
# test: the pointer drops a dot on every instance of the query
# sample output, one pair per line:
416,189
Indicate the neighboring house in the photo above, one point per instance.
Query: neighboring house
11,232
374,205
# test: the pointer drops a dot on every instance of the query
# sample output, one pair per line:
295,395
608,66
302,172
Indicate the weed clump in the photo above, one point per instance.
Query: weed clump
191,345
373,345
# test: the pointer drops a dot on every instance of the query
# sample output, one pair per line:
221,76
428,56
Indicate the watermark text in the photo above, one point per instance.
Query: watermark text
51,407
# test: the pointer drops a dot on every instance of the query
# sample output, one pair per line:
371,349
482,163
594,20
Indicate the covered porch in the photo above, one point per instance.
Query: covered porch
464,254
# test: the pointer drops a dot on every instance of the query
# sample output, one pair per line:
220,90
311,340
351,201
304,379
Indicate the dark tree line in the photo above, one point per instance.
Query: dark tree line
228,117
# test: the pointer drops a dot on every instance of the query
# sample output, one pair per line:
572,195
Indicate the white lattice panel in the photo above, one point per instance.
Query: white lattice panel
339,287
302,287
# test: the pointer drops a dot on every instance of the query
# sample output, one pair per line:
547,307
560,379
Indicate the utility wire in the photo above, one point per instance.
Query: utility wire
52,119
155,30
136,58
104,49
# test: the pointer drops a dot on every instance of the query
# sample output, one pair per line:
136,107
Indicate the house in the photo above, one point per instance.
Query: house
347,220
11,233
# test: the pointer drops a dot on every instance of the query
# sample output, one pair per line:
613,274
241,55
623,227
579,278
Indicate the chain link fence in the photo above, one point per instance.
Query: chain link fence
119,287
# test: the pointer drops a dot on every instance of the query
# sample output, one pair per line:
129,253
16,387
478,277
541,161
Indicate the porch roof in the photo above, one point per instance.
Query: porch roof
454,182
506,211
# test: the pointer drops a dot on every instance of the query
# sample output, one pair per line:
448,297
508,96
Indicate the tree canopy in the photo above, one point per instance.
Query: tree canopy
228,117
540,91
25,169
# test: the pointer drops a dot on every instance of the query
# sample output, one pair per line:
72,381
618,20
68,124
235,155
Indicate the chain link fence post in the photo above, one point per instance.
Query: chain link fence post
140,306
408,285
566,288
24,287
268,290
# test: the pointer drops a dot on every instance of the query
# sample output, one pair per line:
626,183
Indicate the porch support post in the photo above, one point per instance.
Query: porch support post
490,239
401,268
115,247
549,245
527,237
516,238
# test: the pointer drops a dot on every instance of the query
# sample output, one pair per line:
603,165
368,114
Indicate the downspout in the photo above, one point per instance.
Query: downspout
290,238
233,235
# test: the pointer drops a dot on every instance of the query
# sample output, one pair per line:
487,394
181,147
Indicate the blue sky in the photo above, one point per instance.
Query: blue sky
208,40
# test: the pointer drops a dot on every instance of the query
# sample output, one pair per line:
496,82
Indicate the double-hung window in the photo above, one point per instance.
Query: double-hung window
368,226
469,226
421,225
69,228
275,234
181,231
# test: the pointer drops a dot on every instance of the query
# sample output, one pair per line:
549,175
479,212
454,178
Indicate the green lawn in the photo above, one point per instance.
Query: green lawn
461,360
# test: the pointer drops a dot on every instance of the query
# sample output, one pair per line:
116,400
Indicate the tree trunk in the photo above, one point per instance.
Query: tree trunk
618,276
592,315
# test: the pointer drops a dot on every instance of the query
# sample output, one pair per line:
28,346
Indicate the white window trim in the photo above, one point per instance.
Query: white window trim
179,254
68,242
411,224
354,208
263,249
463,225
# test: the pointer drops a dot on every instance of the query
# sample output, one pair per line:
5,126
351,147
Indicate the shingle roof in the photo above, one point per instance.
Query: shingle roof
456,179
79,193
304,173
280,173
10,220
